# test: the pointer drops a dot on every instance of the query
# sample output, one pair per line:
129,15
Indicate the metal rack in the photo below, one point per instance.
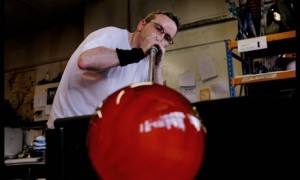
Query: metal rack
284,42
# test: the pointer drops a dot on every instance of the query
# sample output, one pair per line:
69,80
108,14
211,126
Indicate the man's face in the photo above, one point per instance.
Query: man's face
161,27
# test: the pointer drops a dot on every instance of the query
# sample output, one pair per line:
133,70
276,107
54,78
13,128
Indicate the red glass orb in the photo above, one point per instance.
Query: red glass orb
146,131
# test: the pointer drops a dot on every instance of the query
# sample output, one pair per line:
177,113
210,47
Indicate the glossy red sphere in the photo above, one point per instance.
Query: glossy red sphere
146,131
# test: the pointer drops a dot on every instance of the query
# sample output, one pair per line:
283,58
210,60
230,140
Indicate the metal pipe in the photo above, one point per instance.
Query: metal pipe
153,52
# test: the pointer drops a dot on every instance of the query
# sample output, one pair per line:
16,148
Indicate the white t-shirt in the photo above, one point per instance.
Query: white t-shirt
81,91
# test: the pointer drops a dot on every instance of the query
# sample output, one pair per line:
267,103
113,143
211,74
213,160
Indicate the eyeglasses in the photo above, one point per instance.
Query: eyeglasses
161,30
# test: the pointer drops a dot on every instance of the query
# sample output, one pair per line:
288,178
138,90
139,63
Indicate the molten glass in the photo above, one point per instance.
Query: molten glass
146,131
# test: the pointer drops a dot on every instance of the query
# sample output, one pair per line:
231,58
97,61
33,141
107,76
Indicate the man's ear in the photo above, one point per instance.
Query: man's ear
141,25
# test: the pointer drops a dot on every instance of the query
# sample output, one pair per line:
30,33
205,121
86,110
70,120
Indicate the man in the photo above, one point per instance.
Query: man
110,59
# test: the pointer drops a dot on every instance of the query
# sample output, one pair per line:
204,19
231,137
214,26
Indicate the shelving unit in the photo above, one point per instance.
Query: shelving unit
280,43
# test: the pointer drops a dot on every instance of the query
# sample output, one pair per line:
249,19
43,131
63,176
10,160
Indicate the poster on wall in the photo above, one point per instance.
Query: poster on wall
50,94
20,92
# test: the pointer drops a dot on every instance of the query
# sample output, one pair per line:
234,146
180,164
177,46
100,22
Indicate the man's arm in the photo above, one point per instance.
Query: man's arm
99,58
102,58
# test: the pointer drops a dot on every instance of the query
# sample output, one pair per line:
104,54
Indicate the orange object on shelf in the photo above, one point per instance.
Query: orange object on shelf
270,37
238,80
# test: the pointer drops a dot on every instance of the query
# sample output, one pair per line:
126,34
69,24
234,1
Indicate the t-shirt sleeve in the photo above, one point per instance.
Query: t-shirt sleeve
107,37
